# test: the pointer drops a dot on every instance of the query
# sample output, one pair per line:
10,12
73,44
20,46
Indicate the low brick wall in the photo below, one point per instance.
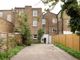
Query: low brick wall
18,38
9,40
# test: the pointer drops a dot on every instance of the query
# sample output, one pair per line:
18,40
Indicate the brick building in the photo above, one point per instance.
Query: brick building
36,20
34,16
50,25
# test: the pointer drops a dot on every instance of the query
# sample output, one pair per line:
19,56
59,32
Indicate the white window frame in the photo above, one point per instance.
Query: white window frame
35,13
21,12
34,36
54,21
43,21
35,22
9,18
1,14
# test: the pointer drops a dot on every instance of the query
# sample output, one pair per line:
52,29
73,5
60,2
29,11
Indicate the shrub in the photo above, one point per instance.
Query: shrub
40,34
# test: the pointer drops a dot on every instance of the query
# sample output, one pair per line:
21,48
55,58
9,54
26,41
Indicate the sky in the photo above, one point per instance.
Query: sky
9,4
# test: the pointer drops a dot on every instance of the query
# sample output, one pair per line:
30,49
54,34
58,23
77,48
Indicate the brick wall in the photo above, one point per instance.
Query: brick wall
5,26
9,40
28,10
50,24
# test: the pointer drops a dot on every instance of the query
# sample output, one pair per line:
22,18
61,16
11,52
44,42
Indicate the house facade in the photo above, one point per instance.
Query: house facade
36,20
34,16
50,23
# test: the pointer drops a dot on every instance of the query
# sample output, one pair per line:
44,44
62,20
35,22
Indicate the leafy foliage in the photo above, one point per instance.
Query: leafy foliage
24,29
7,55
73,10
75,24
40,34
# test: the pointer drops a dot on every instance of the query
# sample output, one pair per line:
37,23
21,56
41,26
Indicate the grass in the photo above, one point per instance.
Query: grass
69,50
7,55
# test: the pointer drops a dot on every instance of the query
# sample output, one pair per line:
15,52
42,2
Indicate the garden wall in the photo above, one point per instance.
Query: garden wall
9,40
71,41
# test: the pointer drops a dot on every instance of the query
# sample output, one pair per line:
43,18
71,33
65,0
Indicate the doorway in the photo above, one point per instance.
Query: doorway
44,40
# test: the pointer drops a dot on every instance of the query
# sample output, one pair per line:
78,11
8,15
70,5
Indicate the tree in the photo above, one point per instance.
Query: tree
40,34
73,10
24,29
51,4
75,24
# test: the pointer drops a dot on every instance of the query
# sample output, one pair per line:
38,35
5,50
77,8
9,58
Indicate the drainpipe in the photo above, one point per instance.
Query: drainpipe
57,24
48,31
62,22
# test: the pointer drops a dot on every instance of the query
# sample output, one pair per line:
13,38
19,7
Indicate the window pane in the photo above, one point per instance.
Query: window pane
35,13
35,22
54,21
43,21
1,14
35,36
21,12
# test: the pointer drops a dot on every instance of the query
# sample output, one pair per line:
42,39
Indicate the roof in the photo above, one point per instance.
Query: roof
19,8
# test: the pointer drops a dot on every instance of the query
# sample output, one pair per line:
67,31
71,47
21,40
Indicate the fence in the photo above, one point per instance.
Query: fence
8,40
71,41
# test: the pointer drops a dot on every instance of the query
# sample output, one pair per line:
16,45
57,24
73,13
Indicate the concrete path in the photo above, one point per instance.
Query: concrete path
42,52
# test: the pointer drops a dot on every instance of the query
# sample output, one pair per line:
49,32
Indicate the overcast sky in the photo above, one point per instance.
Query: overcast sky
9,4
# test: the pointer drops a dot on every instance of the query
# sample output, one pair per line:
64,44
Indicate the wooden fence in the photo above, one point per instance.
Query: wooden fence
71,41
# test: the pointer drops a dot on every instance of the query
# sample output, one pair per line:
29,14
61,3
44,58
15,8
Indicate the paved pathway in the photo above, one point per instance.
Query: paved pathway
42,52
